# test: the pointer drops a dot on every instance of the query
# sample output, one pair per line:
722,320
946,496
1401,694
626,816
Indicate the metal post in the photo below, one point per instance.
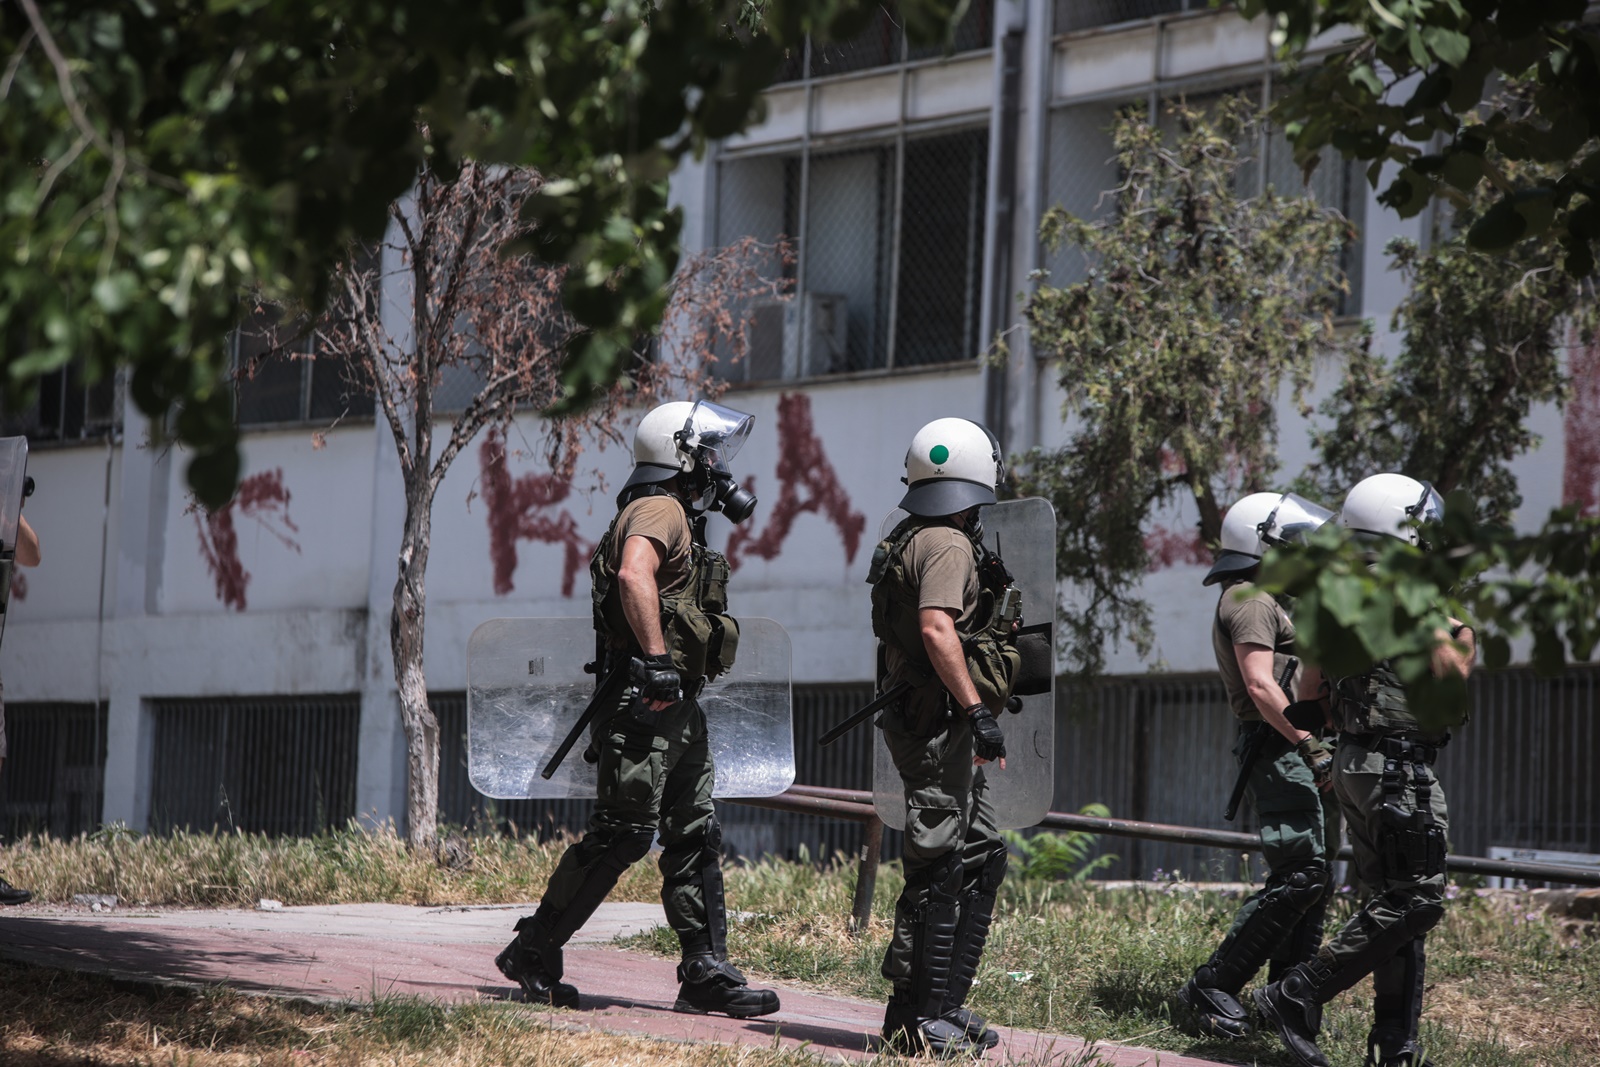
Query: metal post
866,875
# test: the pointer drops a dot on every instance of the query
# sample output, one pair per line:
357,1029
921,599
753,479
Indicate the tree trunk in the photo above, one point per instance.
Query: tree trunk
405,639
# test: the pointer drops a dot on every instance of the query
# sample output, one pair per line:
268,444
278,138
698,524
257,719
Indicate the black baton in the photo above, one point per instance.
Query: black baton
894,692
607,692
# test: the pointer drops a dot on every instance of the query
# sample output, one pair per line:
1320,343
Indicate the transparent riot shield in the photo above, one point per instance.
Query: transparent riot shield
1024,533
13,476
526,688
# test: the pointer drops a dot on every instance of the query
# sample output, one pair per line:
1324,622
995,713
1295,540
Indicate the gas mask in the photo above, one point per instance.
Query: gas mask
713,434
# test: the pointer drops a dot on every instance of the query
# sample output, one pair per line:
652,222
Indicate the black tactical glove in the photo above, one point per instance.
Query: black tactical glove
987,740
655,678
1319,759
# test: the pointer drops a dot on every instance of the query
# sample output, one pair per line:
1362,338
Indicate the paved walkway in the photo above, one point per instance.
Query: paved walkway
356,952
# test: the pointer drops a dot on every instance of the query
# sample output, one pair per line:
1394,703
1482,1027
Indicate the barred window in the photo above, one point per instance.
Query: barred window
66,407
883,44
1083,168
890,239
279,380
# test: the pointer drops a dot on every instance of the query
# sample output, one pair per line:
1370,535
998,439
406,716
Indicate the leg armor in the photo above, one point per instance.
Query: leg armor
972,933
913,1019
1397,1007
534,958
1294,1006
707,981
1279,909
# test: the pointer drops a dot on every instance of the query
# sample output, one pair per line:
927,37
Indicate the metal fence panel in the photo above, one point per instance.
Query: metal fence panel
273,765
54,768
1159,749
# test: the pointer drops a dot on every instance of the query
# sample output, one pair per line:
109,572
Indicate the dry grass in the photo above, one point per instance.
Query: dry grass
236,870
54,1019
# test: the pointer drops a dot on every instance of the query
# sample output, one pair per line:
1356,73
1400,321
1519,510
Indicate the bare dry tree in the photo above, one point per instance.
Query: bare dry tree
472,302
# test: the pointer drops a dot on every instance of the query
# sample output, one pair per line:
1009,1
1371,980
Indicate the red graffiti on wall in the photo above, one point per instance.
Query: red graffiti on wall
261,497
514,515
1580,481
802,465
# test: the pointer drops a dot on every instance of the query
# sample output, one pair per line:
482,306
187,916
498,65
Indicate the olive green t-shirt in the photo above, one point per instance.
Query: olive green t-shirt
664,521
1249,616
938,560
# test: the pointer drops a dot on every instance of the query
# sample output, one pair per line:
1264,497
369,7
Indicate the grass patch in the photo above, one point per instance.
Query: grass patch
52,1018
1507,987
237,869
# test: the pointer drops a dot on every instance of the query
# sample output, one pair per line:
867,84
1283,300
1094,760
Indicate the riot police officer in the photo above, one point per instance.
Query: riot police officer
1284,765
1397,818
937,622
660,613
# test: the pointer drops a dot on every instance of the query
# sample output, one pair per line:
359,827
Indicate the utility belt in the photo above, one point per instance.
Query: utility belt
1404,748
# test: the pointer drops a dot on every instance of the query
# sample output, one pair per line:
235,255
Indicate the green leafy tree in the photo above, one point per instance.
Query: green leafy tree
159,159
1200,306
1410,88
1484,336
1359,605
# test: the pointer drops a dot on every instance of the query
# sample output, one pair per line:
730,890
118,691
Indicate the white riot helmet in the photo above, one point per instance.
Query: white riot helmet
697,440
1387,504
1259,522
952,465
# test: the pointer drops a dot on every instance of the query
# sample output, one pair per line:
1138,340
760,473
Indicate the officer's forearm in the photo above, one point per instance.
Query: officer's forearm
641,605
944,650
27,544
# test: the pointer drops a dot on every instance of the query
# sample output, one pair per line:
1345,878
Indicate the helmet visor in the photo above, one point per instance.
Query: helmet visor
1429,506
716,433
1292,520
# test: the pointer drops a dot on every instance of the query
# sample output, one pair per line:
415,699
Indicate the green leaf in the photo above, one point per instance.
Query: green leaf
1451,46
1499,227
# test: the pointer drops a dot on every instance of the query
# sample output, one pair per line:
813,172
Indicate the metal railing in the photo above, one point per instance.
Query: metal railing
856,805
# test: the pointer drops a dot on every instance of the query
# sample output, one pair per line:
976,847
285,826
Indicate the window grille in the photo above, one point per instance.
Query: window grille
281,765
66,408
54,769
1083,169
889,267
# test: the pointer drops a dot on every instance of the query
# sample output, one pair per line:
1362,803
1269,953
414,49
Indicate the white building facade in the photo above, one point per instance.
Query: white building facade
250,648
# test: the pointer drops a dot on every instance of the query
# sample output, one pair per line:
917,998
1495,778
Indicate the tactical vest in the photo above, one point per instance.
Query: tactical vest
992,657
701,636
1375,703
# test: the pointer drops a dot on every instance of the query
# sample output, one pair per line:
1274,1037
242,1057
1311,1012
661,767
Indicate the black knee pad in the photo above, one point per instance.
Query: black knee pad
1305,886
993,871
629,848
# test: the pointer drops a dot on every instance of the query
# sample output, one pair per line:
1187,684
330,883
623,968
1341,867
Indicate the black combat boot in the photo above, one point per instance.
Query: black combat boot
708,984
533,960
10,894
1217,1012
1293,1009
1281,909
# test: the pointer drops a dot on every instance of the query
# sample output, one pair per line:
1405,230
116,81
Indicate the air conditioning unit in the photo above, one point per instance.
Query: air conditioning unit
773,349
827,333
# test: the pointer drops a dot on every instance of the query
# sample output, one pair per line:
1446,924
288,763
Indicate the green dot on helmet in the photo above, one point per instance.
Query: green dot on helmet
939,454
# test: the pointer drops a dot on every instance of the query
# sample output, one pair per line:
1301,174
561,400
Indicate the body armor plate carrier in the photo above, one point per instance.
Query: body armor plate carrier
701,636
